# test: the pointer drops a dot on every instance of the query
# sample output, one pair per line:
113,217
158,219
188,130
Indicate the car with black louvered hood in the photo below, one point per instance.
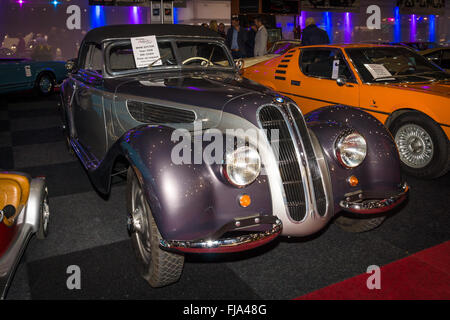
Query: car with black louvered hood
214,162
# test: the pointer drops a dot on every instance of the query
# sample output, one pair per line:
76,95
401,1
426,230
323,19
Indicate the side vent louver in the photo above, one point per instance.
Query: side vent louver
151,113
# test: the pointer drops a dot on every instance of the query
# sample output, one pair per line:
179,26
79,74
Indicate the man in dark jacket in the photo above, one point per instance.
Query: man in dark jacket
312,34
236,38
222,30
250,44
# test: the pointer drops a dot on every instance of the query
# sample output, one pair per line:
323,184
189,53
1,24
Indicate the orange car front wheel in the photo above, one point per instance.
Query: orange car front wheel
422,145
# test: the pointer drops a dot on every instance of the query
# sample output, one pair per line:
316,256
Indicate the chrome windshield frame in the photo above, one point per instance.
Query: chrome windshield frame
108,44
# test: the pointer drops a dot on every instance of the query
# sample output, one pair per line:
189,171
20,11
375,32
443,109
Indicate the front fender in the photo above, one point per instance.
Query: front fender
188,201
380,171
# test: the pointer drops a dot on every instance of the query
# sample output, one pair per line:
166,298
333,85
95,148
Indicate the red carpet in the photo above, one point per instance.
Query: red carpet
424,275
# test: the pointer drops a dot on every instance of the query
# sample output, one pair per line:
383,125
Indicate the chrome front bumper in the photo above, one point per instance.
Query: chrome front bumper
27,223
214,244
362,204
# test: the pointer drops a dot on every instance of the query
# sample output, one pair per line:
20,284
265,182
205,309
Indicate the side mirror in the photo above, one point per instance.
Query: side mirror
341,81
71,65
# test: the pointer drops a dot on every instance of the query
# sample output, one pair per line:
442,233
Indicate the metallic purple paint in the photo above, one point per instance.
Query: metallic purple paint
379,173
192,201
188,202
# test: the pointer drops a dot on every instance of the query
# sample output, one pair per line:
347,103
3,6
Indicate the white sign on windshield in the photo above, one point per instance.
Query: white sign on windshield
378,70
146,51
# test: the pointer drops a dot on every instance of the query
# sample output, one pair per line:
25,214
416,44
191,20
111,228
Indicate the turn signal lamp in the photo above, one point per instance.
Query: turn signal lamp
353,181
245,200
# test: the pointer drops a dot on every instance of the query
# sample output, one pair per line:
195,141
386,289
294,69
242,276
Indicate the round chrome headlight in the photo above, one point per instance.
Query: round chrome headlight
242,166
351,149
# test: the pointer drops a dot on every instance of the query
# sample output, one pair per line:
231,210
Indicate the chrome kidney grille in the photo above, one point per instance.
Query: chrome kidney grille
300,125
293,140
271,118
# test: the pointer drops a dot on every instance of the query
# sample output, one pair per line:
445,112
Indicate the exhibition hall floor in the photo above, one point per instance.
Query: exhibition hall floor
89,231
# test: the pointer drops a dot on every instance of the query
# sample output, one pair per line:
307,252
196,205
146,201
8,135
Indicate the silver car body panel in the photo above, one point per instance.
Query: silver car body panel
27,224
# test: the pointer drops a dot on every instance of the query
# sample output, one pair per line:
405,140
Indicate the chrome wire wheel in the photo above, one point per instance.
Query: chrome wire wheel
415,145
45,84
139,227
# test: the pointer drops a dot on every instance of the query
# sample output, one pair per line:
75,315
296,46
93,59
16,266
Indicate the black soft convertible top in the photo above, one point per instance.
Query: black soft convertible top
97,35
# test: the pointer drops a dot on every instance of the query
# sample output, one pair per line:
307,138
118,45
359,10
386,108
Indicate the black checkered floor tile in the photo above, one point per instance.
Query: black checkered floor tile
89,231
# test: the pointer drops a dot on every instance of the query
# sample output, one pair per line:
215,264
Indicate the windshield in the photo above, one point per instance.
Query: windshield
393,64
172,54
420,46
281,47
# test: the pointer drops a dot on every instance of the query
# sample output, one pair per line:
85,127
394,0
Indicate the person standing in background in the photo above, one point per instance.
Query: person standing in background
313,35
260,38
236,38
221,29
40,40
251,34
54,37
213,26
20,51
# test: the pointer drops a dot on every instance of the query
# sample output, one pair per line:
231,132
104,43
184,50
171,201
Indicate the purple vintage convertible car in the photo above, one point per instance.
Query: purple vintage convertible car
152,99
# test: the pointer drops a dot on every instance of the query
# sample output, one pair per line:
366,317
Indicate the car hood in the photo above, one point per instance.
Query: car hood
248,62
202,89
207,93
440,88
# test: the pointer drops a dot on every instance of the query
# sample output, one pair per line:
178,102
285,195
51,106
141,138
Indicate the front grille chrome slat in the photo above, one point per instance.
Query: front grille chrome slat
298,165
270,118
315,174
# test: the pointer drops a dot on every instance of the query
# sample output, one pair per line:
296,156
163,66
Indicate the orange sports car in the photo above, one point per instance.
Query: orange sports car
410,95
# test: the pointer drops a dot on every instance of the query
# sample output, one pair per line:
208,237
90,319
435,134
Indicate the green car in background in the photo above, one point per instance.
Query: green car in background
17,74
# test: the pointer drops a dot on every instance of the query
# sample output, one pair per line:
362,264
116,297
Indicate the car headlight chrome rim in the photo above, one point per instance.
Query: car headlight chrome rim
242,166
351,149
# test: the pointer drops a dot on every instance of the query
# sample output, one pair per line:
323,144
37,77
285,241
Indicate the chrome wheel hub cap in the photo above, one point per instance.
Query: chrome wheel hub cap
46,212
415,146
137,223
45,84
